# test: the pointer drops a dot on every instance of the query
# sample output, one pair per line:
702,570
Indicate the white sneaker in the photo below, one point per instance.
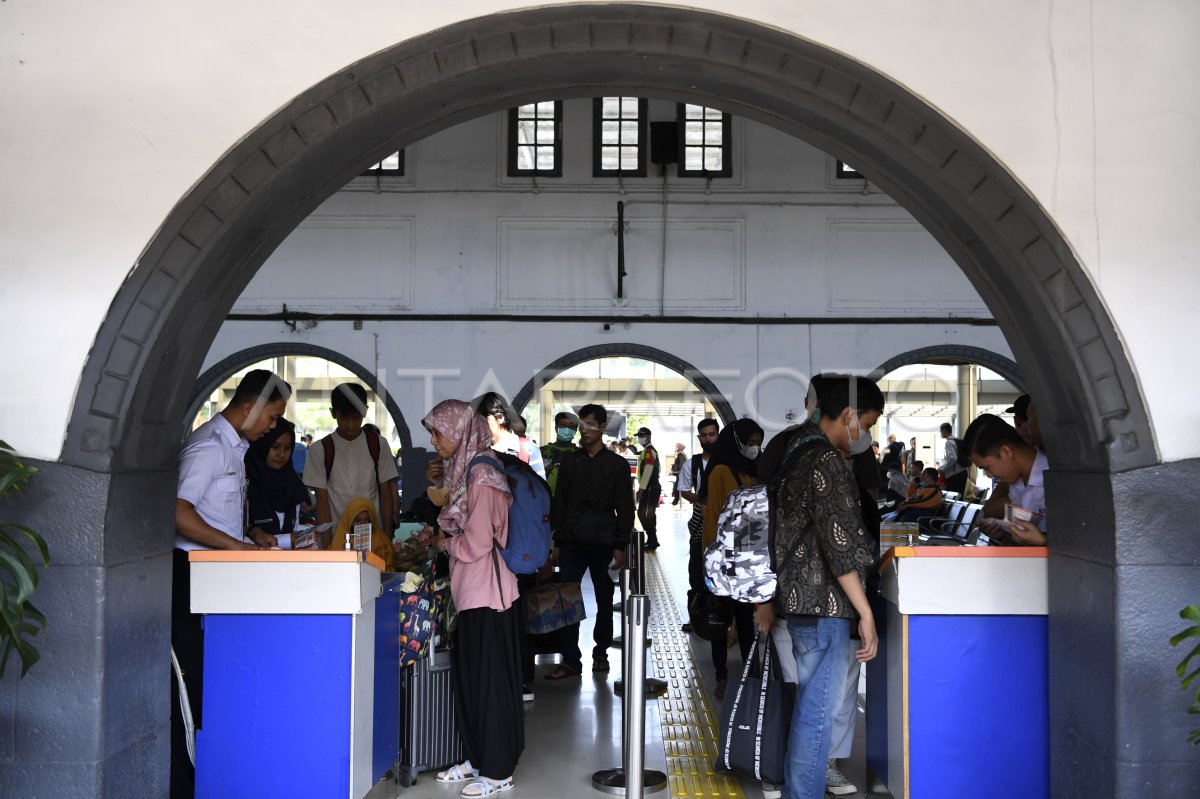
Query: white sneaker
836,783
771,791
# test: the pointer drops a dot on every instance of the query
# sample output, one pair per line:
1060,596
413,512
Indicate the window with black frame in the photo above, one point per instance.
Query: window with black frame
705,145
846,172
619,139
391,165
535,139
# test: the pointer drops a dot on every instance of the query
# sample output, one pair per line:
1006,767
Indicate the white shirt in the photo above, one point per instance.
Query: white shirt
1032,495
212,476
685,483
353,472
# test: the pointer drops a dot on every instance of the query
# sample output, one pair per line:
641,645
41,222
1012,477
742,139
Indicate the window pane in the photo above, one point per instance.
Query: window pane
693,134
629,132
629,159
525,157
545,132
526,111
609,157
692,159
609,132
545,110
392,162
610,107
693,112
545,158
629,107
712,159
712,132
712,113
525,131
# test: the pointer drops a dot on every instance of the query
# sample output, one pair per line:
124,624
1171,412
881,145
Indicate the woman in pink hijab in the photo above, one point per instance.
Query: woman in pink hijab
485,652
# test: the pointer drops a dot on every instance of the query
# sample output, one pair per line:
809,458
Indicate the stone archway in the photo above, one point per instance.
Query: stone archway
135,386
956,354
552,370
215,374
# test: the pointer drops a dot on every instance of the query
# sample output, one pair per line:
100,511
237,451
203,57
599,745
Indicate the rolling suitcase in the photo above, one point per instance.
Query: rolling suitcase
428,727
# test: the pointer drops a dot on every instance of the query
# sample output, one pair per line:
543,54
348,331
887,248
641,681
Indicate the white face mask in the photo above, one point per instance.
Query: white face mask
643,440
750,453
860,444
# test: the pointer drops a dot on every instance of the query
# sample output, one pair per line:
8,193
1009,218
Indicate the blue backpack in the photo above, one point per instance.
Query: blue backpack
529,540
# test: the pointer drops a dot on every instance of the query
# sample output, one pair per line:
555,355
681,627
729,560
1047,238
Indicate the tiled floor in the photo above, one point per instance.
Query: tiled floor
573,727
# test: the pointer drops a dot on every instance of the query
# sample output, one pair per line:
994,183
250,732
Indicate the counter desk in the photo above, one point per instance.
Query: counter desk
300,687
957,698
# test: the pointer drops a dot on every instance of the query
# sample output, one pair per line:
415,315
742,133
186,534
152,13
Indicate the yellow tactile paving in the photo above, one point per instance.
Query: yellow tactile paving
689,721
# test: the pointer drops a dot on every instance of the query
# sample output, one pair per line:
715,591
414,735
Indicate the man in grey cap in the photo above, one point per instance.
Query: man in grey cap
649,489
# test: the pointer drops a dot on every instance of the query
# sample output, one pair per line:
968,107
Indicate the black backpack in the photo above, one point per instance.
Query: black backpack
960,453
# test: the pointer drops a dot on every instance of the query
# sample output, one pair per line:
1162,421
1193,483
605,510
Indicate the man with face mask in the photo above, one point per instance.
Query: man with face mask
821,554
649,489
554,454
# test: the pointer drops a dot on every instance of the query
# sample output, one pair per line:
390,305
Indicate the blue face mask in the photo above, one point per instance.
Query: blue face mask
565,434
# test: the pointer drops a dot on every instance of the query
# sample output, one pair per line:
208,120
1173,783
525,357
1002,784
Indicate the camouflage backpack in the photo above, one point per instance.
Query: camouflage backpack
737,563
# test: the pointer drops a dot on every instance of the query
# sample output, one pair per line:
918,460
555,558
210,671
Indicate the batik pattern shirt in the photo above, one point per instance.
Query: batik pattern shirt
818,533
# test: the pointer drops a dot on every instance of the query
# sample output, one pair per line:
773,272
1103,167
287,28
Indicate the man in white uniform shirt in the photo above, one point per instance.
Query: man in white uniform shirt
210,513
998,449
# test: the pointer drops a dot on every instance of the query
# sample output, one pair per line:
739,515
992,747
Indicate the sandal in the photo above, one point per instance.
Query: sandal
485,787
599,665
563,672
463,771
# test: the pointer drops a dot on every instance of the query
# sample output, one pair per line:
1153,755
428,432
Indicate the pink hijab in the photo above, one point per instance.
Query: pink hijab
458,422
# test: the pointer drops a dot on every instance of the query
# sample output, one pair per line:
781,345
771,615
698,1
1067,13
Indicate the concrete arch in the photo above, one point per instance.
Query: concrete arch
136,383
958,354
560,365
206,383
169,309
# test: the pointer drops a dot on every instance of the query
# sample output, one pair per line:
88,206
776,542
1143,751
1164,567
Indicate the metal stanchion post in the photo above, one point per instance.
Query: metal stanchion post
626,590
653,687
633,779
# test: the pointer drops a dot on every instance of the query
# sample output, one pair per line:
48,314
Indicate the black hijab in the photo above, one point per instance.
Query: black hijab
727,452
271,491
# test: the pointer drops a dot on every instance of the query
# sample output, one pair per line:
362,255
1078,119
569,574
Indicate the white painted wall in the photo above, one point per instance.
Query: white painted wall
111,111
456,235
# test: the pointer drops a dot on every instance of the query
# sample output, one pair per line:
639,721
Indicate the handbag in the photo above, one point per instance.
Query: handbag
709,615
596,528
553,606
422,617
755,719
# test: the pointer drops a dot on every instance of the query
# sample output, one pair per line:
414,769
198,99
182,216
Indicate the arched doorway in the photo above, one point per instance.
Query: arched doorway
135,386
212,377
529,391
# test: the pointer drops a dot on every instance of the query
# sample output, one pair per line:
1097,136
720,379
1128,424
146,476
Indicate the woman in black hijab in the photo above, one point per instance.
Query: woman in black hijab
274,491
732,464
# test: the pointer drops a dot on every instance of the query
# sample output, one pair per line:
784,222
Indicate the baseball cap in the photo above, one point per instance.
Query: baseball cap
643,431
1020,407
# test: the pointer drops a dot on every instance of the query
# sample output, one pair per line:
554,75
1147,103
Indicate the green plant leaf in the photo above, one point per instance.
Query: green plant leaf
1187,681
25,577
37,540
1191,612
1190,632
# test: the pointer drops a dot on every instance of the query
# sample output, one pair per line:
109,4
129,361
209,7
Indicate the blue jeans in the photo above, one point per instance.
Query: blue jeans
821,652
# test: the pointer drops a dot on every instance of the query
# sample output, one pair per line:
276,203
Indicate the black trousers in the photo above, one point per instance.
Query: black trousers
485,661
647,512
525,584
957,482
743,620
187,639
573,563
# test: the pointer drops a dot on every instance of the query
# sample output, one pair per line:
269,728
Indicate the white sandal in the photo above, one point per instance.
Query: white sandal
485,787
463,771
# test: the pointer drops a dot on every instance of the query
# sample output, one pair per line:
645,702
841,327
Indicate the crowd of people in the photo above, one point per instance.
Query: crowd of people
245,484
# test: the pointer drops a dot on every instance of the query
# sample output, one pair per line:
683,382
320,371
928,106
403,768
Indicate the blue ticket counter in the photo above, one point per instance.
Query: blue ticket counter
957,699
295,645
